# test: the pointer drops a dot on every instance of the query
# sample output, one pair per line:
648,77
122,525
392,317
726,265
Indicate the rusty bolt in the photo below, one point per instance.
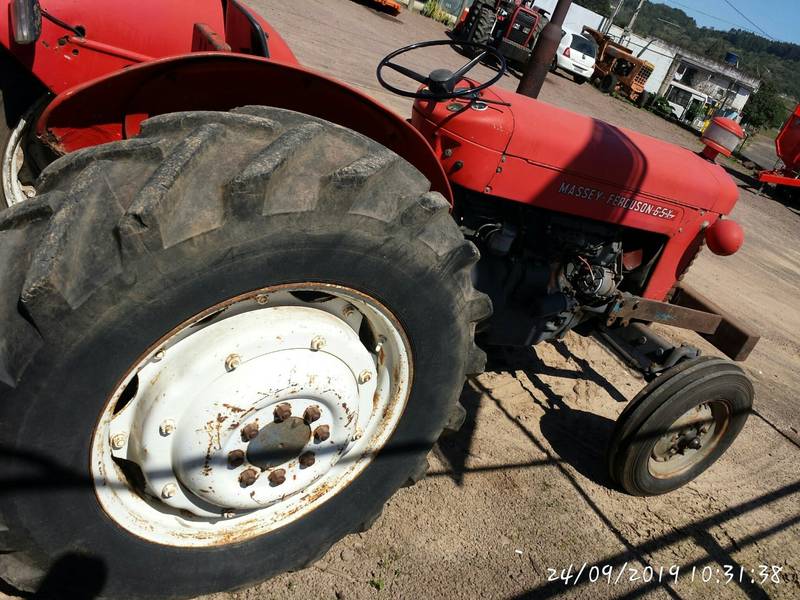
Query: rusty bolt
167,427
169,490
250,431
159,355
307,459
248,477
317,343
232,362
282,412
322,433
235,458
118,440
311,414
277,477
365,376
262,298
348,310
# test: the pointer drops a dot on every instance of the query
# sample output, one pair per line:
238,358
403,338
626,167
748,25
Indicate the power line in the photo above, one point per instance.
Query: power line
746,18
705,14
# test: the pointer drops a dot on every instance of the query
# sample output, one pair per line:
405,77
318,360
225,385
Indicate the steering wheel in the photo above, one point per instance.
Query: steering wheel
441,83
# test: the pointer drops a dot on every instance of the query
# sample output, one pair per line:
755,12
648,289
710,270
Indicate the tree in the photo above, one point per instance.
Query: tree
764,109
601,7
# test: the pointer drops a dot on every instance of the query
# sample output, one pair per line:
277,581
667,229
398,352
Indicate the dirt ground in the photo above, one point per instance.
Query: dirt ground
522,489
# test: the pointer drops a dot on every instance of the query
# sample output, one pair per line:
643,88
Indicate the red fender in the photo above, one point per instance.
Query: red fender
112,107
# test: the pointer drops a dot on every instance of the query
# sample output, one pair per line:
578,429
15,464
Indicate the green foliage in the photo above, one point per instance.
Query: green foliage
601,7
377,583
765,108
661,107
778,62
437,13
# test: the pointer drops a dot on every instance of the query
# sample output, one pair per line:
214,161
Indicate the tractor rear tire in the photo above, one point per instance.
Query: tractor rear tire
650,451
608,84
128,241
480,30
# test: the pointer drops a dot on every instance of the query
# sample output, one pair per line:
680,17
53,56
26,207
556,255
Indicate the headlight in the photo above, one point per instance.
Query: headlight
26,21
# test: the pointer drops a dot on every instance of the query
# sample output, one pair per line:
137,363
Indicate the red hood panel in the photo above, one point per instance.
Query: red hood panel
631,162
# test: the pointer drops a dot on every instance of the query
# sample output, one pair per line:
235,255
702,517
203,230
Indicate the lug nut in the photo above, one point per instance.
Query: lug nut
248,477
232,362
250,431
167,427
311,414
317,343
169,490
322,433
277,477
159,355
348,310
282,412
307,459
235,458
118,440
262,298
365,376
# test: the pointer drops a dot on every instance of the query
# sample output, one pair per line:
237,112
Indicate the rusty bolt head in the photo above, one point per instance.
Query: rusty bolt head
312,413
118,440
232,362
262,298
307,459
250,431
169,490
167,427
248,477
317,343
282,412
235,458
365,376
277,477
159,355
322,433
348,311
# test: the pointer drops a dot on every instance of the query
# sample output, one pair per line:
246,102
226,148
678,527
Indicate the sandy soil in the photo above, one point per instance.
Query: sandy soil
523,487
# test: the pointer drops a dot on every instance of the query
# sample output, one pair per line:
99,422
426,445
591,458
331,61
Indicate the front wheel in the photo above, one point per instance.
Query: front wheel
226,343
679,425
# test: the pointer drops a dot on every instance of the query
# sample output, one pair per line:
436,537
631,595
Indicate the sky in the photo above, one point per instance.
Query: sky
780,19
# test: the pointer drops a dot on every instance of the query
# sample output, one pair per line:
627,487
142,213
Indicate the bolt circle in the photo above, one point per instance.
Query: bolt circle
306,459
364,376
322,433
277,477
282,412
167,427
232,362
118,440
248,477
311,414
169,490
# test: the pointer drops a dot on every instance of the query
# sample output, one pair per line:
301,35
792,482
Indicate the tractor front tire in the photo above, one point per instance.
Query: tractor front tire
247,247
608,84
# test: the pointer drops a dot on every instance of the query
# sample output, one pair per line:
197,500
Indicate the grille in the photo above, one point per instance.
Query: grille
642,75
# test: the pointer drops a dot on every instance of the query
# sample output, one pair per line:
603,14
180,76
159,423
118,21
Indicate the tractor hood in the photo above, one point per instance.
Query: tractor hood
634,164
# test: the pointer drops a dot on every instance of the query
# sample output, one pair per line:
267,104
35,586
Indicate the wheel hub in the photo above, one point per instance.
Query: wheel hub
261,408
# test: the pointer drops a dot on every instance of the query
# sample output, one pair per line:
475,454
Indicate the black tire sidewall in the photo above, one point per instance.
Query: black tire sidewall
51,438
731,388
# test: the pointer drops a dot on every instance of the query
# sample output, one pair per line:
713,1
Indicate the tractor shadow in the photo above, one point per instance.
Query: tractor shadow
577,437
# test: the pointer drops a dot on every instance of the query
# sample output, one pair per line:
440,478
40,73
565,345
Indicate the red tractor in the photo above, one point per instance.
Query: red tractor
510,26
238,299
787,147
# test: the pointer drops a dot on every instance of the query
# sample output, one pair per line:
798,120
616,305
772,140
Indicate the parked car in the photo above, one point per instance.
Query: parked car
575,54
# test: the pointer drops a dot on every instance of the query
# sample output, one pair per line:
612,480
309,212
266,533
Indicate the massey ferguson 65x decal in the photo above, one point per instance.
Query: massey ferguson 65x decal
616,200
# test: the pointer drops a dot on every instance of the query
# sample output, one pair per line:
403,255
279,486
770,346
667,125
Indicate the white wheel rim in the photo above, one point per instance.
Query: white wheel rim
13,160
197,397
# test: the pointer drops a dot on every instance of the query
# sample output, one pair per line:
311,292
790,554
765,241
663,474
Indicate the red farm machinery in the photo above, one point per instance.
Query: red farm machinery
239,299
787,147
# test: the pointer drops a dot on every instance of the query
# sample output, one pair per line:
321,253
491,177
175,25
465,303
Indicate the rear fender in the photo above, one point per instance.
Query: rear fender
112,107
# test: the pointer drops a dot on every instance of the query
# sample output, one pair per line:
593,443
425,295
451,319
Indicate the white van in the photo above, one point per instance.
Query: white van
575,54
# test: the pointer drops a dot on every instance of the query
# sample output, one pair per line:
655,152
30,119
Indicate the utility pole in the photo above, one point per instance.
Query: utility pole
610,20
627,33
543,53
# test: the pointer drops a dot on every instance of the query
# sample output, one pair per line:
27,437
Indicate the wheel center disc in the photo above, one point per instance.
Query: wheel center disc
277,443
